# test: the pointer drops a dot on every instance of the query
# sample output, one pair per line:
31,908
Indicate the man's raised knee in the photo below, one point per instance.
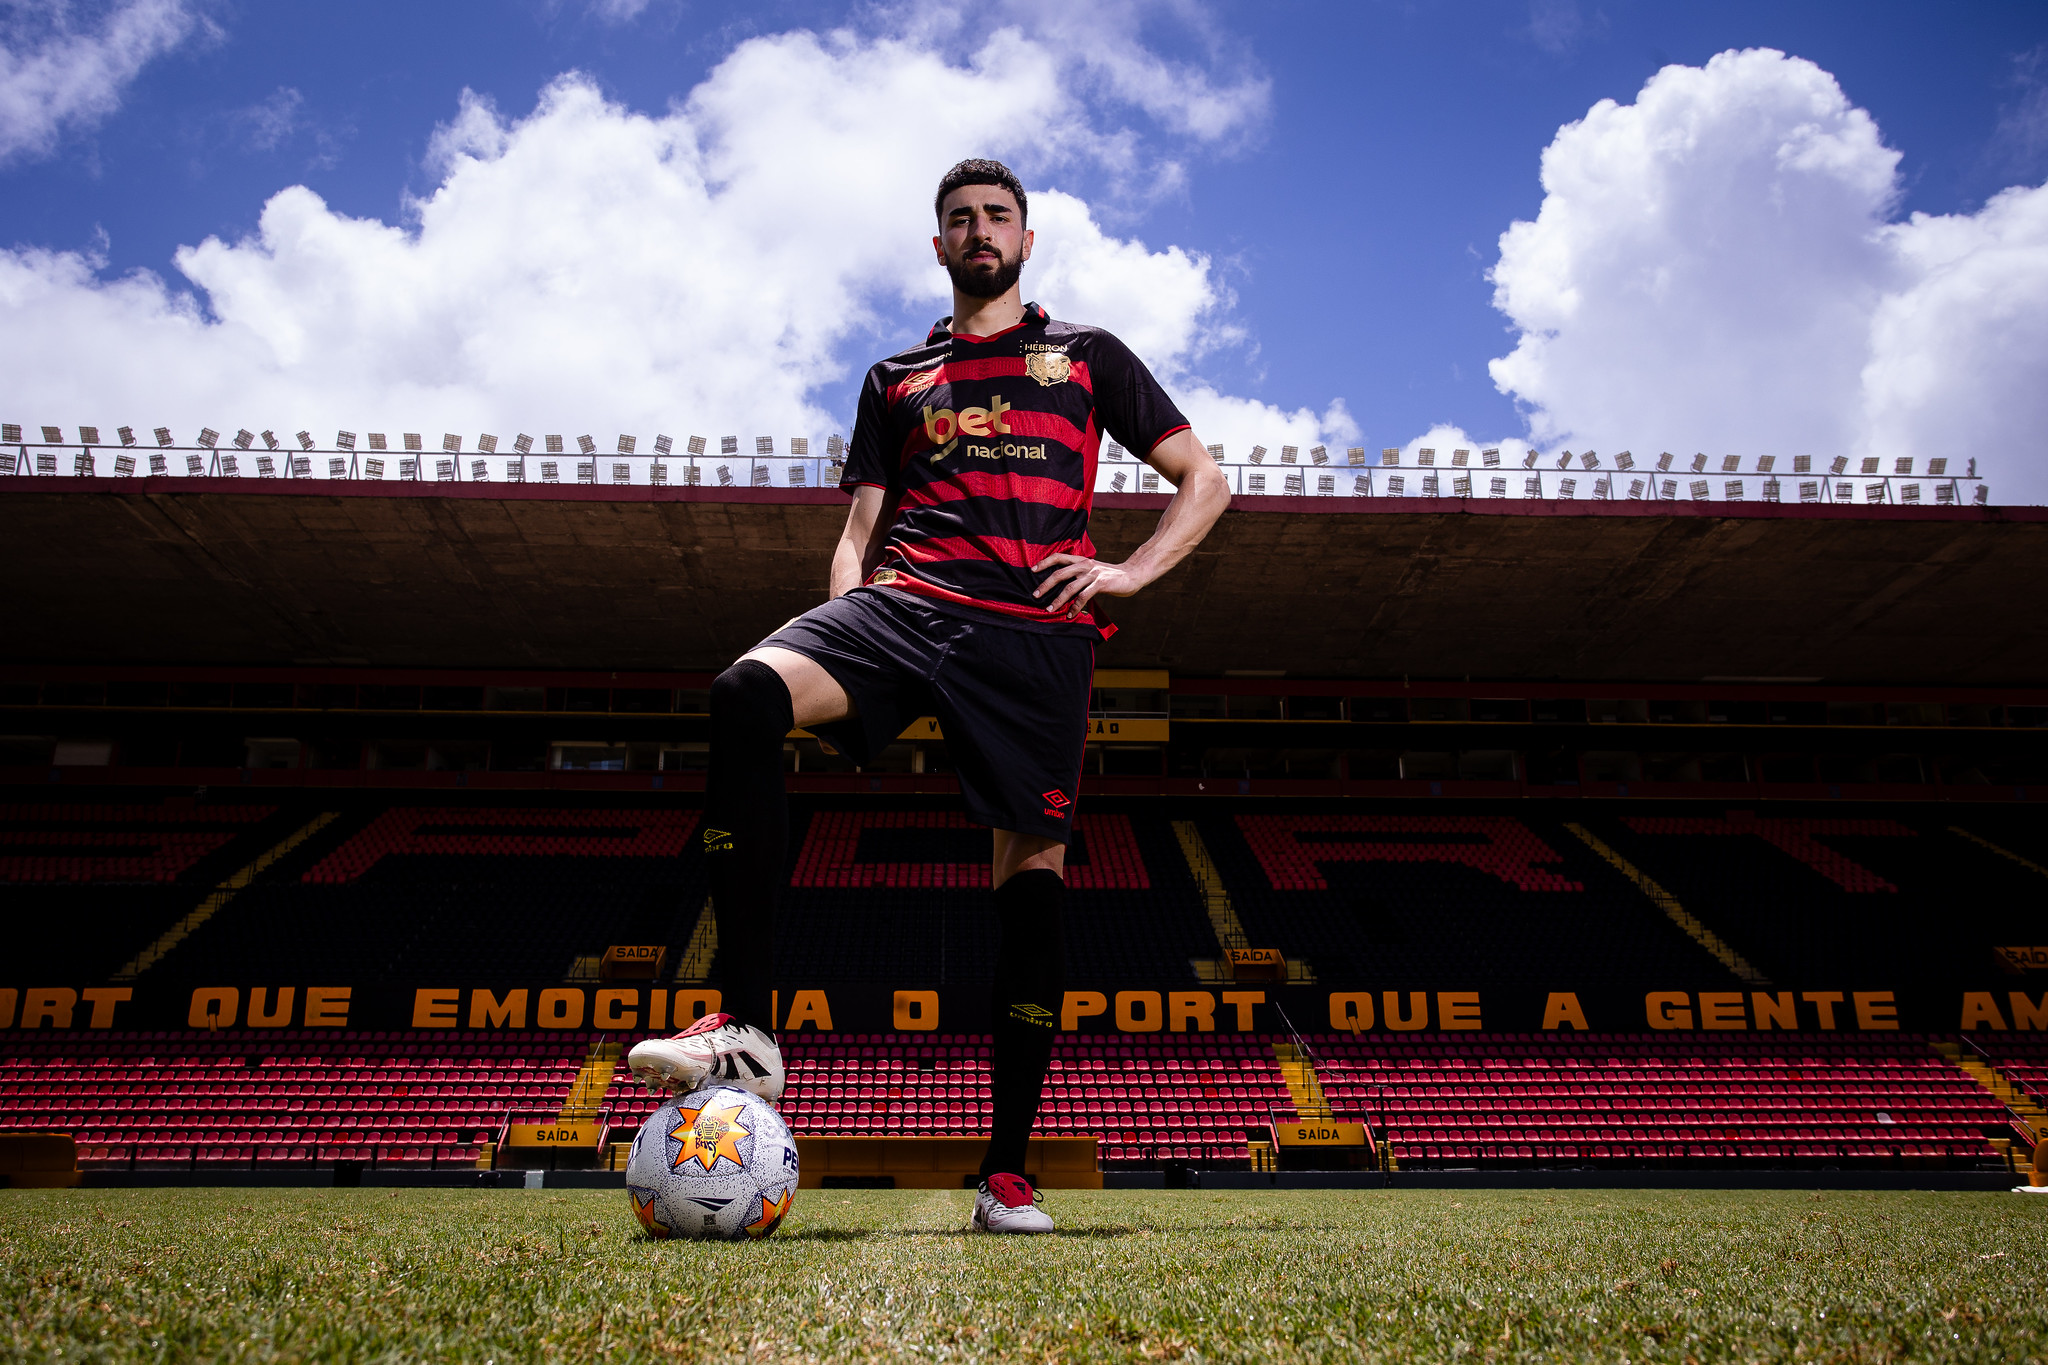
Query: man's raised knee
751,699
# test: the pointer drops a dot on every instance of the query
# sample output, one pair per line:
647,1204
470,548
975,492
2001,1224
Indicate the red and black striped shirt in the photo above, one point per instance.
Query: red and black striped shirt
985,448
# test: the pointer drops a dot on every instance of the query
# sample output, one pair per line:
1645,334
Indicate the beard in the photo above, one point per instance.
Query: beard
978,283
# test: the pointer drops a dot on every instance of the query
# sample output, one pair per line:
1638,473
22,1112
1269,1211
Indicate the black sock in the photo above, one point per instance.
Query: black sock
1030,989
746,831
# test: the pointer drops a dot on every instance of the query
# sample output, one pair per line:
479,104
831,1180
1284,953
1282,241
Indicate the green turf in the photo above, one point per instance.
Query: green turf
515,1275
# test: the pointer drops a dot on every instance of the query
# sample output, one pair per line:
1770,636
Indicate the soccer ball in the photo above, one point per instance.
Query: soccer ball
715,1164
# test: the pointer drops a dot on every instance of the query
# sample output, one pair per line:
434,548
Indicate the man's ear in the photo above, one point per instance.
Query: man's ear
939,249
1025,255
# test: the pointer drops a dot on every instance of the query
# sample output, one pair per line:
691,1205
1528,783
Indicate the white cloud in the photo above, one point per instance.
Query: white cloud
1715,268
587,266
61,71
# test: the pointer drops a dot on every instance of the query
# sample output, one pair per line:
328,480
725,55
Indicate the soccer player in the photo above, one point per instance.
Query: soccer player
962,585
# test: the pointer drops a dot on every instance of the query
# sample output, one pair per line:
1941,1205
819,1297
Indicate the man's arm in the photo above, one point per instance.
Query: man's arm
860,542
1200,495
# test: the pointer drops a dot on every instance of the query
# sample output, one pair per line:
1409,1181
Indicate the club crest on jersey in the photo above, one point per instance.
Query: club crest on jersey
1048,367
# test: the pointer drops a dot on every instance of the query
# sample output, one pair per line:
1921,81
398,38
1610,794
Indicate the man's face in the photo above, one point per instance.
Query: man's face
982,241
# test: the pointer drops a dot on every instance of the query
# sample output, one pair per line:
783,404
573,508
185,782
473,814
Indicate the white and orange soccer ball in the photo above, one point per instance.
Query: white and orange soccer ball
716,1164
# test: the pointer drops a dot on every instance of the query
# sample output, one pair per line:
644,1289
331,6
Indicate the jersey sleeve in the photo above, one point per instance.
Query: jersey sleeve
1134,408
866,464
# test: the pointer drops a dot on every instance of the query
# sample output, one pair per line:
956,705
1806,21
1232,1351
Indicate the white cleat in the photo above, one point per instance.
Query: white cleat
1008,1203
716,1050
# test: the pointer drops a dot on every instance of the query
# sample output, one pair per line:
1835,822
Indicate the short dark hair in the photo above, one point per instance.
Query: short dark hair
980,171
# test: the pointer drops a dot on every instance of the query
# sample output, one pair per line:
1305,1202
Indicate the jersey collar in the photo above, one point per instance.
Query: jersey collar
942,330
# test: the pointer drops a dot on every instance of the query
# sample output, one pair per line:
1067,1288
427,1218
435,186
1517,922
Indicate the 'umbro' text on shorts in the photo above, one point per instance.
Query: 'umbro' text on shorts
1012,703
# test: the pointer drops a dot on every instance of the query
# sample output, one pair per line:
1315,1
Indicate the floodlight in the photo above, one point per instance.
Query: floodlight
1588,460
1117,481
1288,454
445,471
728,445
1390,455
228,466
1845,491
1256,483
479,472
1904,465
835,470
1490,458
1664,462
515,470
1497,487
1602,489
1532,487
1870,464
621,472
664,445
1809,491
1771,490
550,472
1326,484
266,466
692,474
10,431
1668,490
377,441
195,465
89,436
695,445
1529,457
1983,494
1319,454
657,474
208,437
1352,454
1625,461
409,470
1938,466
1115,451
1699,463
1566,487
760,476
270,439
725,472
554,445
46,463
159,465
1699,490
344,440
1425,457
1429,485
412,440
1731,464
1461,485
1944,493
1394,485
244,439
81,464
1361,484
1909,493
487,443
586,471
1635,490
1765,463
163,436
1802,464
523,444
337,467
1732,490
450,442
764,445
305,439
835,446
800,445
53,436
796,476
1459,458
1971,472
1564,461
1838,464
1258,454
1216,455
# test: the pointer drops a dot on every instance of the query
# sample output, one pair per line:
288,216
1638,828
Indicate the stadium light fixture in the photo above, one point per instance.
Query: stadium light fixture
1396,485
228,467
244,439
1766,463
1258,455
515,470
163,436
664,445
337,466
46,463
725,474
266,466
586,444
1461,485
451,443
1664,463
1771,490
1944,493
835,446
760,476
305,440
10,432
159,464
1845,491
344,440
1938,467
1529,457
487,443
553,444
1567,488
1809,491
621,472
800,445
1870,463
657,474
586,471
1731,464
1802,464
1564,461
1910,493
1361,485
1904,465
627,444
1983,494
1700,490
1116,481
1216,454
1326,484
1460,458
1588,460
1625,461
1874,492
1354,455
1289,454
126,435
1971,472
695,445
1497,487
89,436
1603,489
53,436
1319,454
377,441
1390,456
81,464
195,465
409,470
412,440
764,445
1838,465
479,471
1732,491
1635,490
1429,486
1532,487
208,437
1490,458
1114,451
550,472
270,439
1425,457
1699,463
1667,491
796,473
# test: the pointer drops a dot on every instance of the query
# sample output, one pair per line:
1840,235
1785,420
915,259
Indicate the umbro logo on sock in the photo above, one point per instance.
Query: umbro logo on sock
717,840
1032,1014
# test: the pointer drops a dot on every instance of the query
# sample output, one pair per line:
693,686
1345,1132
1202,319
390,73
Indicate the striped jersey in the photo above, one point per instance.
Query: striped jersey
985,449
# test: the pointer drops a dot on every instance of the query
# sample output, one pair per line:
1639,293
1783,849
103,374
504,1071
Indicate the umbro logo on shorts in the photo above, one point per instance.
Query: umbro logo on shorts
1056,802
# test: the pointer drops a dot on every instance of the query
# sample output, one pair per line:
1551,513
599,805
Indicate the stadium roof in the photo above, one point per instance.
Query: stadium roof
169,571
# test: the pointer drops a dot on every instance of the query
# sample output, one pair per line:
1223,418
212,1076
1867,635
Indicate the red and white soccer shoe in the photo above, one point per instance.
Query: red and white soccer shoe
1008,1203
716,1050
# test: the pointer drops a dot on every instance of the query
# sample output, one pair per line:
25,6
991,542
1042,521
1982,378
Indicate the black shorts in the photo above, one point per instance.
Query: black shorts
1012,704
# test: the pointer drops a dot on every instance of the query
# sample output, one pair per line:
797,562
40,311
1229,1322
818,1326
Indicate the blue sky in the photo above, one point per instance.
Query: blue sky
1349,214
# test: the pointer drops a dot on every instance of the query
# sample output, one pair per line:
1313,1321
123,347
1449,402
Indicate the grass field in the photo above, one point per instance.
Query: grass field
514,1275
